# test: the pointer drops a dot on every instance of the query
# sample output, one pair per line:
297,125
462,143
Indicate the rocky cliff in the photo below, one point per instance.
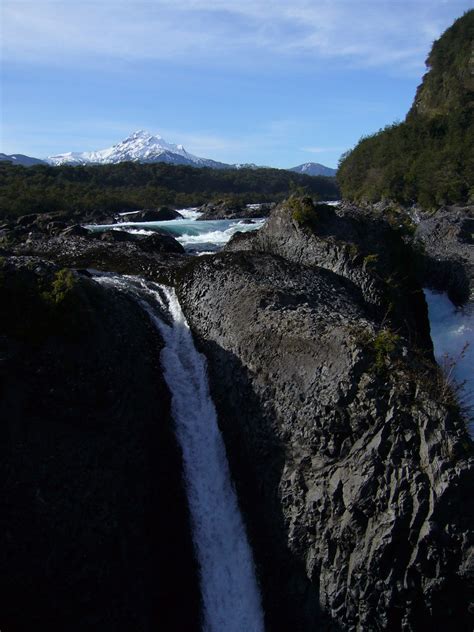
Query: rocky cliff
353,466
363,249
447,240
351,460
94,530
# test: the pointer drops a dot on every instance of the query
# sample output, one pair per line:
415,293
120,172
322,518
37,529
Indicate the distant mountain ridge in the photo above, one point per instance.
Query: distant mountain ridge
21,159
143,147
314,169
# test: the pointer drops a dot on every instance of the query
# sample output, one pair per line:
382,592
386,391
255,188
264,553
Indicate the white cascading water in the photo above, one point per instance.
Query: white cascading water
452,332
230,594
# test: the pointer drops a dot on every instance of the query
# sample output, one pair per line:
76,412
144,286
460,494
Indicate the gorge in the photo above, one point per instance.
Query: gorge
231,417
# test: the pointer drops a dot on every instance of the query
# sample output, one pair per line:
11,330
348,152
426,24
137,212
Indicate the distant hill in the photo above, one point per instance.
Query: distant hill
130,186
314,169
429,157
146,148
20,159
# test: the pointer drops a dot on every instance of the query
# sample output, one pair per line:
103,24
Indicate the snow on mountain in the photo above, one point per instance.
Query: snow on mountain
141,146
314,169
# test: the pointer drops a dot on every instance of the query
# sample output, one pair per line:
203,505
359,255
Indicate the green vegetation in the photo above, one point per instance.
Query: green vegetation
353,250
38,303
370,260
384,345
61,286
428,158
132,186
302,210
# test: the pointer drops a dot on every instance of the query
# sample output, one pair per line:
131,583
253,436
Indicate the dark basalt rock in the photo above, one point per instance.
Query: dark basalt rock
115,235
27,220
54,222
156,257
76,230
365,250
94,529
353,472
229,210
159,242
447,238
153,215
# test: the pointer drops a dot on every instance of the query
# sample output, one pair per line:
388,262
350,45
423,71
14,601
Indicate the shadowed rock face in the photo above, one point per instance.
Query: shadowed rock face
354,476
447,237
94,530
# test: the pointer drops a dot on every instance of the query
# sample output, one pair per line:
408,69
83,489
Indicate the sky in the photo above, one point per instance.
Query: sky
273,83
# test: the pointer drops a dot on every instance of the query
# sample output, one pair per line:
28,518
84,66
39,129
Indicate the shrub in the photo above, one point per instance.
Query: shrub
384,345
370,260
302,210
64,281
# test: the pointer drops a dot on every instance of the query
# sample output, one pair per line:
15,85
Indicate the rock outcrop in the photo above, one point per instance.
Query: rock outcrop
223,209
94,530
363,249
353,467
156,257
161,214
447,239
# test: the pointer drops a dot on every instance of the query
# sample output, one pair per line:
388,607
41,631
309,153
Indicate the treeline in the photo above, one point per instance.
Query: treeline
132,186
428,158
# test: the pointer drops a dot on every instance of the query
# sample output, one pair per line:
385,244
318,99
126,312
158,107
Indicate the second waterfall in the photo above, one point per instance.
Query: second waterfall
230,594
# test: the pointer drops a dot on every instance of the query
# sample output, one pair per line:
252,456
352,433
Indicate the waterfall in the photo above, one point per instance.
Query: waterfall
452,333
230,594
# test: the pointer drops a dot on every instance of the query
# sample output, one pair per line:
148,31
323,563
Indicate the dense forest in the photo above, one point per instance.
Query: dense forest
428,158
131,186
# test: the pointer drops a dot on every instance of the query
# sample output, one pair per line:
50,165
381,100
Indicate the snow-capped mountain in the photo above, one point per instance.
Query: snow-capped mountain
314,169
140,146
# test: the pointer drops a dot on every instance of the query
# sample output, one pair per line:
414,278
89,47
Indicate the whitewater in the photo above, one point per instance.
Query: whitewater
194,235
452,333
230,593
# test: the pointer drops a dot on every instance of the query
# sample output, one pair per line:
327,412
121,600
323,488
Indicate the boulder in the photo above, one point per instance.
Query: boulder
224,209
159,242
117,236
154,215
76,230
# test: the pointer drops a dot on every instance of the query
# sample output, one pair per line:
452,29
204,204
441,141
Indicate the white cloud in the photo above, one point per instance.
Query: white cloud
376,33
323,150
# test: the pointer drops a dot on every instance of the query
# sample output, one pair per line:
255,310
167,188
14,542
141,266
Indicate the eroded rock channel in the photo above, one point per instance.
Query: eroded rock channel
349,454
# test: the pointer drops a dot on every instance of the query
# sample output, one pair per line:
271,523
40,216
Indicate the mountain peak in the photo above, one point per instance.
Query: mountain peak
139,146
141,134
314,169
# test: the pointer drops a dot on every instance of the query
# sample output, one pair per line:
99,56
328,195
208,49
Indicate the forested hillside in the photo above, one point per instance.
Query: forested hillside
130,186
428,158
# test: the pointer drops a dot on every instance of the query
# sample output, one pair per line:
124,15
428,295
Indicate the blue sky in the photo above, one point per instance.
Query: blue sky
275,83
